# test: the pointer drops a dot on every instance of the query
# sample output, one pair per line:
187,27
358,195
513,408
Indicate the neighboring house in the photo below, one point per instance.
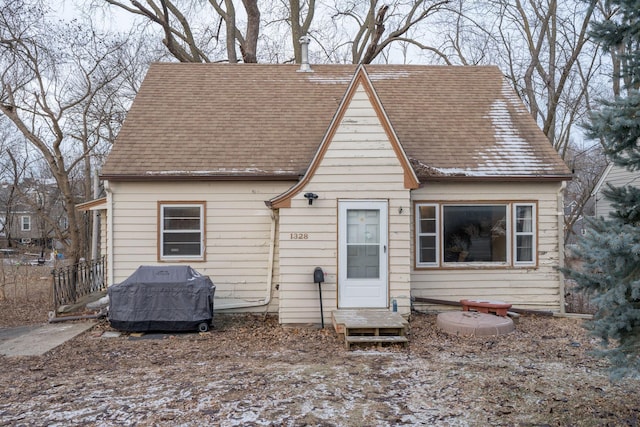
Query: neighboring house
398,181
26,210
617,176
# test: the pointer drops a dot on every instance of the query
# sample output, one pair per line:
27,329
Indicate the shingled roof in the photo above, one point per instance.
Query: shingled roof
222,121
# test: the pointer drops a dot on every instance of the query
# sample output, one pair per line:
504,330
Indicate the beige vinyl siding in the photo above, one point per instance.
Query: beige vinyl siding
359,164
525,287
618,177
238,228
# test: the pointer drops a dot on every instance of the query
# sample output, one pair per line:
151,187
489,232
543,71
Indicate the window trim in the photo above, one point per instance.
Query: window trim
510,208
22,225
418,235
533,234
161,231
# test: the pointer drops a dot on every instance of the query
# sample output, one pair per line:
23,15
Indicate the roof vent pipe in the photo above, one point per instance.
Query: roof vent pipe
304,45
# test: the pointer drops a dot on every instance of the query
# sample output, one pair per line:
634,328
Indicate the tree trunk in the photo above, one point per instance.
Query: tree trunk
249,48
299,29
372,50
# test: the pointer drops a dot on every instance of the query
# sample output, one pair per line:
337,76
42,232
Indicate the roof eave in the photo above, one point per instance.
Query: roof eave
194,177
497,178
92,205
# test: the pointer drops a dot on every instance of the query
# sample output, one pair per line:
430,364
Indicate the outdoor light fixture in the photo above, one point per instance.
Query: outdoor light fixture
310,197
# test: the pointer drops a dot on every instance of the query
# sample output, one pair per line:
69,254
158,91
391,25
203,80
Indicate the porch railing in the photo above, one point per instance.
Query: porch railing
75,281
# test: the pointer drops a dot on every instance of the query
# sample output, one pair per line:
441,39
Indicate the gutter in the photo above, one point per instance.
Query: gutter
493,178
267,298
110,233
290,176
561,255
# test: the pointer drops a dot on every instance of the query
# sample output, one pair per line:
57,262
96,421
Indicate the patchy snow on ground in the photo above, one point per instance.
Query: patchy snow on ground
249,371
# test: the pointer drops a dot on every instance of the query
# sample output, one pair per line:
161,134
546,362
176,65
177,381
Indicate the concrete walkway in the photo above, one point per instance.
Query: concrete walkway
37,340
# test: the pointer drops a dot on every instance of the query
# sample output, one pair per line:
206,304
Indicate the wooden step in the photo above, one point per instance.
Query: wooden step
370,326
376,331
366,318
372,339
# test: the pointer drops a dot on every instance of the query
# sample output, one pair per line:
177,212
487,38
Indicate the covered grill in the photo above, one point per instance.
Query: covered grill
162,298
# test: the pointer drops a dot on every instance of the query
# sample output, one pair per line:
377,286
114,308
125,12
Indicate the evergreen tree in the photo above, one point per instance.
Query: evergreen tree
610,250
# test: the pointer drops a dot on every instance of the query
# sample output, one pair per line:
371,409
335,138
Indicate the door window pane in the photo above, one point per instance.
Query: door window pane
363,244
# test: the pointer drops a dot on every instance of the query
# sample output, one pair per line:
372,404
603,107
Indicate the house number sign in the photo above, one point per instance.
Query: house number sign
298,236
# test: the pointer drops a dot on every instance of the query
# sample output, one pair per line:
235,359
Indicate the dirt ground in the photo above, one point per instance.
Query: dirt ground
249,371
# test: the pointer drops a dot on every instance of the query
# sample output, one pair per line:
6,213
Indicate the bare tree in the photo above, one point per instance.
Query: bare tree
544,49
300,26
587,166
56,82
12,169
192,31
377,26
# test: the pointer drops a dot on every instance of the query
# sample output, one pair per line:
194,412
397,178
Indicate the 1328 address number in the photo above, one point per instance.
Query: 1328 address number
298,236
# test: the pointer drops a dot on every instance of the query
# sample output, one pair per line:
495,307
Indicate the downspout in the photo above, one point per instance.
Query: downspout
95,232
267,297
110,233
560,196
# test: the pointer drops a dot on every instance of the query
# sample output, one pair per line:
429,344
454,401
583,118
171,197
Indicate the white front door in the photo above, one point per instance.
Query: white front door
362,254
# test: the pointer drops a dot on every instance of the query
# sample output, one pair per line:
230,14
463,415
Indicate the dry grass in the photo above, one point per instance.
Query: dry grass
25,293
575,301
250,371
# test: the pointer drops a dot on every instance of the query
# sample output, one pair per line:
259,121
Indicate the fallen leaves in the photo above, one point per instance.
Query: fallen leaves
249,370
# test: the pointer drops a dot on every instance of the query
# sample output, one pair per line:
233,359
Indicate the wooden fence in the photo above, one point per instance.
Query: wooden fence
75,281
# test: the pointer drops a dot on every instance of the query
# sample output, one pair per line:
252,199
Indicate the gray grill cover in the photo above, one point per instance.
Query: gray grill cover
161,298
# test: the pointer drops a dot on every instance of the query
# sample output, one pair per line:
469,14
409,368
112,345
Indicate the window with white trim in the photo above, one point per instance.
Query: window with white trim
475,234
181,231
525,237
427,226
25,223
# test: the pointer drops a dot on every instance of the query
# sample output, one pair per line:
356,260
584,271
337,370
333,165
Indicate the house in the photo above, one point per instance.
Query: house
399,181
618,176
27,211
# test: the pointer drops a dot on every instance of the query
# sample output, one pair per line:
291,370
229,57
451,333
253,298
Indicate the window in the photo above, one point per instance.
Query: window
25,223
456,234
474,233
524,242
427,234
181,231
